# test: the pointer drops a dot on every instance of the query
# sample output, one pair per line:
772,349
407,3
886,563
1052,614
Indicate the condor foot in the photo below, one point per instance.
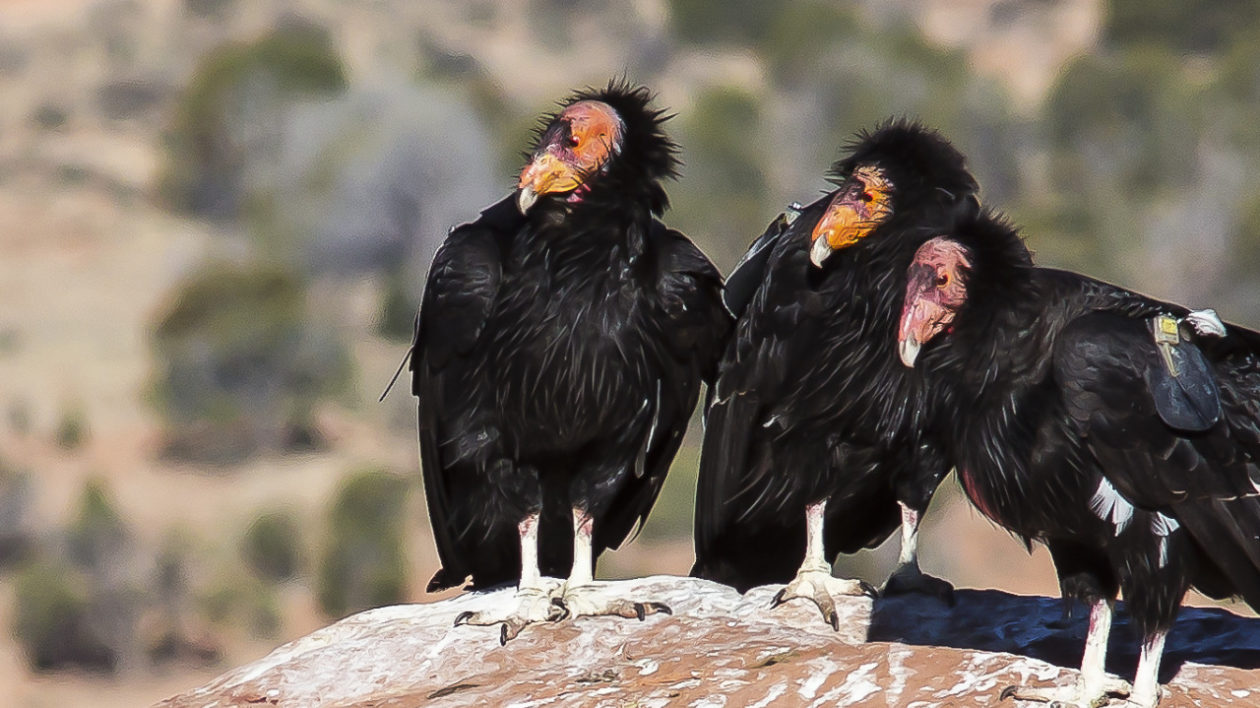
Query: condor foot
1075,696
529,605
819,587
596,600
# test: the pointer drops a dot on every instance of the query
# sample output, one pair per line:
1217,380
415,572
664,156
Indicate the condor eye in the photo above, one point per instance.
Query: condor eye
574,140
867,197
942,279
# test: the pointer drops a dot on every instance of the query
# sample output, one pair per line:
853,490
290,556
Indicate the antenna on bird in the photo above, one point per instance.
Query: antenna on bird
406,357
397,373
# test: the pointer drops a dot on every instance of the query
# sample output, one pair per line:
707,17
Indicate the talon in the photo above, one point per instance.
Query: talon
1007,692
462,618
834,620
557,612
640,611
777,599
868,589
661,608
503,635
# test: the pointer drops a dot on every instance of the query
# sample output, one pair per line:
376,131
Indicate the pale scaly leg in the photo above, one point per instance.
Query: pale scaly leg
582,595
1146,682
813,581
532,601
908,577
1095,687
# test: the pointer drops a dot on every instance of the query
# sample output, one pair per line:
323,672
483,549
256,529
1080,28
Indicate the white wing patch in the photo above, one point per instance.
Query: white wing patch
656,416
1163,526
1108,505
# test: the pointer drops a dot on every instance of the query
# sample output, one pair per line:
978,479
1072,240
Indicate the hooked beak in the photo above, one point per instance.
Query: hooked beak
922,318
526,199
854,212
908,348
545,174
819,251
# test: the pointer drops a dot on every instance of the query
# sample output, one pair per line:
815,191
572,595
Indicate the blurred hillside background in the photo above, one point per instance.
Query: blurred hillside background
216,216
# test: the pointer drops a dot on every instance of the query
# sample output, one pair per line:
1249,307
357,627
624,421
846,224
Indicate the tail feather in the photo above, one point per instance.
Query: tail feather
1226,531
722,545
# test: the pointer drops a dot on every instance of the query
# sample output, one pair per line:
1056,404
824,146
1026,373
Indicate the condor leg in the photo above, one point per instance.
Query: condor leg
583,596
814,581
532,601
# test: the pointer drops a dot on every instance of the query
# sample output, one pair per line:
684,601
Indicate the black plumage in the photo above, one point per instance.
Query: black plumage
811,404
559,352
1045,379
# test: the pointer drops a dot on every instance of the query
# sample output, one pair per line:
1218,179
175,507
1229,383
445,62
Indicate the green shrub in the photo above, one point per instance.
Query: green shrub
72,430
1206,26
97,537
241,600
51,620
16,494
398,308
240,366
735,21
272,547
237,92
363,564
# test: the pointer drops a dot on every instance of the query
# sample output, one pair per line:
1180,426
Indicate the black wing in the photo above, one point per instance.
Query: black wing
691,324
458,300
1207,481
747,275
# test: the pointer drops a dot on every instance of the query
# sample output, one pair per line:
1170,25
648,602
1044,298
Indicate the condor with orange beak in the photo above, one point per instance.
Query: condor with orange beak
859,206
813,440
574,146
559,352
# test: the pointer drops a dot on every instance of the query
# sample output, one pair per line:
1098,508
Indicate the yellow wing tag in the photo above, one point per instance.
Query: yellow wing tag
1167,333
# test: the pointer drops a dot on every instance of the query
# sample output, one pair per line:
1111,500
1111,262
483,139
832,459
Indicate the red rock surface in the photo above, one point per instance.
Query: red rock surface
721,649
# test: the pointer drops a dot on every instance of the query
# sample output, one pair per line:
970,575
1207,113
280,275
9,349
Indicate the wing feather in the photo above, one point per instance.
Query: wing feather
458,302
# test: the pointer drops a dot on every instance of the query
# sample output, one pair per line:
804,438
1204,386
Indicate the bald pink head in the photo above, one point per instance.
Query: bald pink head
935,288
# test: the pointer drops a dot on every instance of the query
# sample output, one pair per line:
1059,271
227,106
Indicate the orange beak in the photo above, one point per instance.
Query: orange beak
840,227
576,145
547,173
861,204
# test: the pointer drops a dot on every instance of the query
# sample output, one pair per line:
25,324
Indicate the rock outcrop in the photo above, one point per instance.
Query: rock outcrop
723,649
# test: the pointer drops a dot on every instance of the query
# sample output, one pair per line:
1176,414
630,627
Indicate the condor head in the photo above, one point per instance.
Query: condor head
576,144
863,202
936,288
902,172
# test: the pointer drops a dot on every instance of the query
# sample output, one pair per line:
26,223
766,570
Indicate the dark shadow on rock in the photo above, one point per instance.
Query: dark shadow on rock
991,620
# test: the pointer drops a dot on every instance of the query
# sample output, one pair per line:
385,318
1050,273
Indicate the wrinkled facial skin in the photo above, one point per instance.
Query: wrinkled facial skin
861,204
576,145
936,288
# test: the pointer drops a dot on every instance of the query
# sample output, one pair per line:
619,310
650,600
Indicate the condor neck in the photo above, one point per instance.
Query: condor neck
1002,340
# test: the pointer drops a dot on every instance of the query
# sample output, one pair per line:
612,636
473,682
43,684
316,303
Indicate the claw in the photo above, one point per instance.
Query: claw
558,610
778,598
643,609
462,618
558,603
1007,692
833,619
869,590
503,634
